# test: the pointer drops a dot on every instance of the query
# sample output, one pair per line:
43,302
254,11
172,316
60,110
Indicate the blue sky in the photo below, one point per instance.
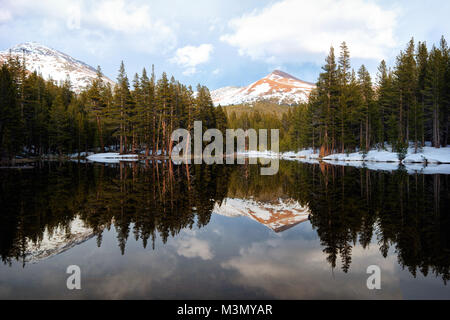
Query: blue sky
220,43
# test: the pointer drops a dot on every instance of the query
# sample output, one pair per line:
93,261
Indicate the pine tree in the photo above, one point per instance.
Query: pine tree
205,108
60,133
11,133
384,101
445,106
221,119
153,109
422,66
163,98
327,93
365,83
406,83
134,113
344,78
302,127
122,99
96,104
144,111
433,90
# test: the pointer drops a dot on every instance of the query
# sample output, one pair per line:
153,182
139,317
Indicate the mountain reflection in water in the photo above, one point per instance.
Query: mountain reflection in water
57,206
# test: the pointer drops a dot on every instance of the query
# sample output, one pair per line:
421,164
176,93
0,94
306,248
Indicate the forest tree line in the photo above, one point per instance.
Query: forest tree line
348,111
39,117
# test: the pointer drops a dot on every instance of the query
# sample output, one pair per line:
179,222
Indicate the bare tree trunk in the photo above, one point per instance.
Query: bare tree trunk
400,119
154,134
407,126
367,133
436,142
157,136
121,137
360,136
100,133
164,146
415,129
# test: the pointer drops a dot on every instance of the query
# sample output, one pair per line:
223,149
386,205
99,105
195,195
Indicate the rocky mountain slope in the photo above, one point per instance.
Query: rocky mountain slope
278,86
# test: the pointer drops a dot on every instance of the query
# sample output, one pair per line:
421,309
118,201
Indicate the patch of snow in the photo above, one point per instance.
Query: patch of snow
258,154
373,155
260,89
428,154
112,157
82,154
428,161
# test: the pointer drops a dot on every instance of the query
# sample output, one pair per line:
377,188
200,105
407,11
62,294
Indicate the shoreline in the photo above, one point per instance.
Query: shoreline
428,156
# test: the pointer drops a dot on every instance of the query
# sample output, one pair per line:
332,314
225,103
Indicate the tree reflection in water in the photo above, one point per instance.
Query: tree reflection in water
407,212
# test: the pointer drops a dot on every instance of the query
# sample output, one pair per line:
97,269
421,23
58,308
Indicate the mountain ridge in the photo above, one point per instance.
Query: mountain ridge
54,64
278,86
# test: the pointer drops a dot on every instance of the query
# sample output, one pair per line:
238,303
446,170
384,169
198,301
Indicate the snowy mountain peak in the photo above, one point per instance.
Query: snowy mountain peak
53,64
278,86
30,46
278,215
281,74
278,75
34,47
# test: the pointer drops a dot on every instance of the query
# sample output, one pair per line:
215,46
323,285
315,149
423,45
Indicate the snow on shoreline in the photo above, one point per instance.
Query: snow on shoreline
428,155
428,161
112,157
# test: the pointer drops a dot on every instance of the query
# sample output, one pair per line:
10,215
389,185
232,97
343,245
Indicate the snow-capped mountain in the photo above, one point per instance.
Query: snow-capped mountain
278,87
58,241
278,215
53,64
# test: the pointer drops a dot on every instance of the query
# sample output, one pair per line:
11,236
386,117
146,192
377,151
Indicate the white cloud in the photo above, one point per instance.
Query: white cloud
190,247
190,57
302,31
125,23
190,71
124,17
5,16
271,266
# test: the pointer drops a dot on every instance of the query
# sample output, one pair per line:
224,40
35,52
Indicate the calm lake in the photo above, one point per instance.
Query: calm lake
161,231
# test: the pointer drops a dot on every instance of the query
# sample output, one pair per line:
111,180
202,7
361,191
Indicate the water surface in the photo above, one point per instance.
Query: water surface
159,231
